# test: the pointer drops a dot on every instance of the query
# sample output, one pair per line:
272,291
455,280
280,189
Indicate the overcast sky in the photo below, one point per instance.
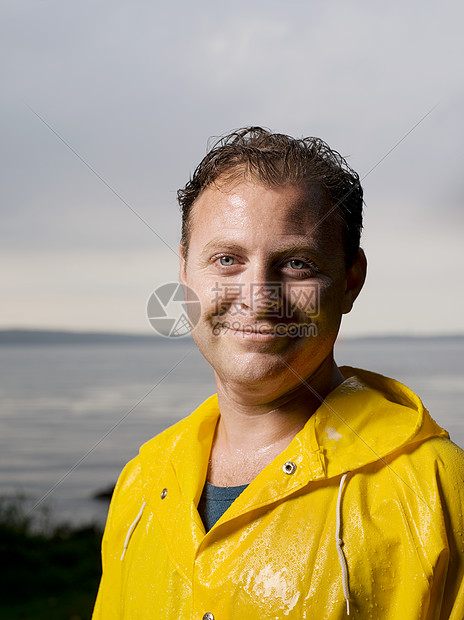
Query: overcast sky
136,89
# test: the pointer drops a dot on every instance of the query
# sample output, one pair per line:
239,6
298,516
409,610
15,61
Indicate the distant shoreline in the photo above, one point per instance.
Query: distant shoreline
63,337
55,337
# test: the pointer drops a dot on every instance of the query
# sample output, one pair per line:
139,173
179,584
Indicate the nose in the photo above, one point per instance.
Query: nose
261,294
263,298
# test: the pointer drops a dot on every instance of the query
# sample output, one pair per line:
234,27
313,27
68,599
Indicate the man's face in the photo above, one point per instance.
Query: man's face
270,275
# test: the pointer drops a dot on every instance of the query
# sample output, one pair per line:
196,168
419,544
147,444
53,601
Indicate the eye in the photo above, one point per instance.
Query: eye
296,263
300,268
226,261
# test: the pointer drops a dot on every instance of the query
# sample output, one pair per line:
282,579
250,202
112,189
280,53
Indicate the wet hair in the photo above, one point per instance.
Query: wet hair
274,159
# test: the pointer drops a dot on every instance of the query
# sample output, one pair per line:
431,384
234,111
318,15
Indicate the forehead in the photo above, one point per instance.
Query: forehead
250,209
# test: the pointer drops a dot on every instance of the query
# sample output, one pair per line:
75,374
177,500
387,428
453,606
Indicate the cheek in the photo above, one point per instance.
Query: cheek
316,298
322,303
209,292
304,298
331,307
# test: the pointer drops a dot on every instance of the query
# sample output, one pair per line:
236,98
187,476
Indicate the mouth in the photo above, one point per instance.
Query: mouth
254,334
257,333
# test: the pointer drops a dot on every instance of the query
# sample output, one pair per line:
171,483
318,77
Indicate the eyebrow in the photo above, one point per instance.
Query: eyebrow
286,250
217,243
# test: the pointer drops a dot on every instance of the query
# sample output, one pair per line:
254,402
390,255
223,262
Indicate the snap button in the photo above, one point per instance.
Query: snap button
289,467
164,492
208,616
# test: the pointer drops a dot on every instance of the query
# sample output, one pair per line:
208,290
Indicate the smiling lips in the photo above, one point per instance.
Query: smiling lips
257,336
255,331
249,329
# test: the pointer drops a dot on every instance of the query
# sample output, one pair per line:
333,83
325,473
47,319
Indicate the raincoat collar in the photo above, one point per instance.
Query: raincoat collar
365,419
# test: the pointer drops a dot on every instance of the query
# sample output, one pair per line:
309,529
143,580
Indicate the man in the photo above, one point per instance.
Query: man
302,490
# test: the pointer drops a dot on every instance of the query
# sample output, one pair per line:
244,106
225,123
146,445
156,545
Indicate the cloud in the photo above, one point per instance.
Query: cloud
137,90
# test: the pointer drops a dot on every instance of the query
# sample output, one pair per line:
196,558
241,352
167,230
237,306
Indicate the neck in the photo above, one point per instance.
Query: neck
251,432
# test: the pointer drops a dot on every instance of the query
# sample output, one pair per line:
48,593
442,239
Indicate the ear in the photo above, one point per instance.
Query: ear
182,265
354,280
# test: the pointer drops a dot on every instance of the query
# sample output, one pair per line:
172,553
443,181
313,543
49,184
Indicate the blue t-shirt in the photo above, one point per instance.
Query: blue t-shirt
215,501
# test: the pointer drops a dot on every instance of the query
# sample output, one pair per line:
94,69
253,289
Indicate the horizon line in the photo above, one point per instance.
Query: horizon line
76,333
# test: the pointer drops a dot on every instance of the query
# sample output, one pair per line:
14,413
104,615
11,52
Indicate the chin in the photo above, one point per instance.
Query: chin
253,371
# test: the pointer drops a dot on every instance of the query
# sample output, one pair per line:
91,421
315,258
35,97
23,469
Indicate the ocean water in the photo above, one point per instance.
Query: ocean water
73,415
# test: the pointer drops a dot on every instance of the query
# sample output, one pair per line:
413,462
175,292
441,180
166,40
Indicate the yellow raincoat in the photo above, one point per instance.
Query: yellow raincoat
304,540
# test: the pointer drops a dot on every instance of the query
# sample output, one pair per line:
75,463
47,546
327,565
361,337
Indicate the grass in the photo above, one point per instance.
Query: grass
48,573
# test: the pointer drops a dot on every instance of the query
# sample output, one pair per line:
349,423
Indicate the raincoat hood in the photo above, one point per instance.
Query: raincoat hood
355,518
367,418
